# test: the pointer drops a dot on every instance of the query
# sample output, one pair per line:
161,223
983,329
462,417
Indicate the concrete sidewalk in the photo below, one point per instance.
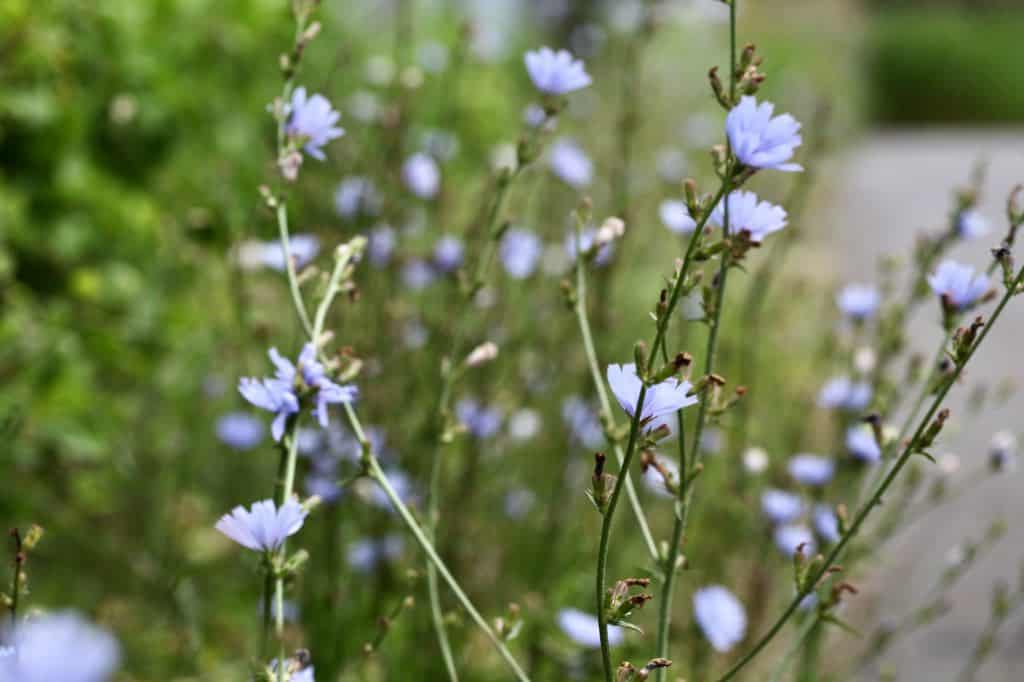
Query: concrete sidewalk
888,187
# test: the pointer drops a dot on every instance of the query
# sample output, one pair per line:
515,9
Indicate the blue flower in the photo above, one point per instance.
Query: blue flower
586,240
959,284
760,141
858,301
555,73
721,617
534,115
860,441
570,163
239,430
311,121
356,196
811,469
381,244
842,392
583,628
781,506
746,212
655,482
367,554
480,420
303,249
660,399
264,528
676,216
448,253
417,274
789,537
518,503
59,647
583,422
826,523
520,250
402,485
1002,453
303,675
422,175
970,224
274,396
279,393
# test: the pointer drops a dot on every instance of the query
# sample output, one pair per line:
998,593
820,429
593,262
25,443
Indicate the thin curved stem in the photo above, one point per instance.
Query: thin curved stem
289,264
876,497
580,309
434,494
377,474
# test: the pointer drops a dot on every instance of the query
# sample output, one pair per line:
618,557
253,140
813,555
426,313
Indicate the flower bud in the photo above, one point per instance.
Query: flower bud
482,354
611,229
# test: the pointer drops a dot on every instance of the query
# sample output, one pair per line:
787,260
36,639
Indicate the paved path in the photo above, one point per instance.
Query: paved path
886,188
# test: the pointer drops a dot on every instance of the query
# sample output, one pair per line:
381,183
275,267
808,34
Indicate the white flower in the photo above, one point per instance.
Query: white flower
760,141
583,628
555,73
755,460
720,616
524,424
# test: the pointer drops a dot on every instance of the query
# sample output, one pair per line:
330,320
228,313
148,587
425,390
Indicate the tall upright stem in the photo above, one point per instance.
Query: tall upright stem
685,491
609,513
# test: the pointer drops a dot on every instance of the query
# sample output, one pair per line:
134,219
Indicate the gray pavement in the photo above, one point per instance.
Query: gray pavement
881,192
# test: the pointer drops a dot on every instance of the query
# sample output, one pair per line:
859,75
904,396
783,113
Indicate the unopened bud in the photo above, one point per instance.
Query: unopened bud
482,354
611,229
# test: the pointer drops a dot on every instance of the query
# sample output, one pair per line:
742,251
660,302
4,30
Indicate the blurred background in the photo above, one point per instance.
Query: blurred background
133,294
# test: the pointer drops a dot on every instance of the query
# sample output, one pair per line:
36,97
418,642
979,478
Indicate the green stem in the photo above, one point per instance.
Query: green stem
802,634
293,280
19,559
876,498
378,475
580,308
659,338
455,351
685,493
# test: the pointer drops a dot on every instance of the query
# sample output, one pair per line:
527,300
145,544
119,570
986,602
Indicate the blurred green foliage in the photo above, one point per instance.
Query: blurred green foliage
944,65
133,138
